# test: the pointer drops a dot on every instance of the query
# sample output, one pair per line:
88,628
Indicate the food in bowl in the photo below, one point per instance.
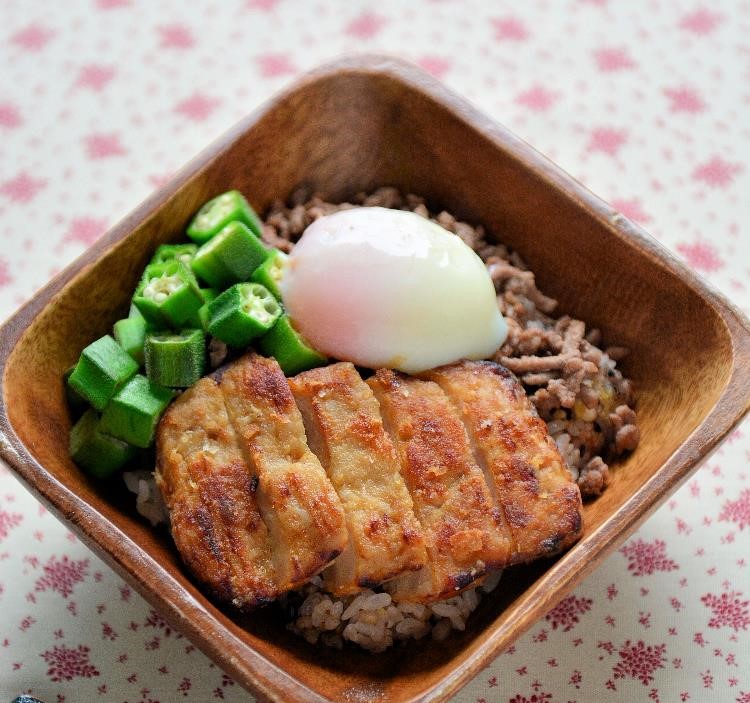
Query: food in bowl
387,288
470,479
262,496
570,375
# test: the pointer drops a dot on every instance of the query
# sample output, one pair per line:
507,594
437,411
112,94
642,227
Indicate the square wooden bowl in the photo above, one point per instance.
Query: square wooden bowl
352,126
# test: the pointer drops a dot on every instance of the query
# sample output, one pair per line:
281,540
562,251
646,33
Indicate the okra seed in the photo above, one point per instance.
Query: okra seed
159,288
219,209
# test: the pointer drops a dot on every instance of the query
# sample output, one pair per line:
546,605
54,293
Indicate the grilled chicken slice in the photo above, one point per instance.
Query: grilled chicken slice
464,534
345,431
210,493
297,501
541,502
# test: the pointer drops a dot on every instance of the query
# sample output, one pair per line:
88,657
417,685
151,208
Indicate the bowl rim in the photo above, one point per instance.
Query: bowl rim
183,610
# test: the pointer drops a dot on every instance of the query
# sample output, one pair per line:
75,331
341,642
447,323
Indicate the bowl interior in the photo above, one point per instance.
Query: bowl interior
352,131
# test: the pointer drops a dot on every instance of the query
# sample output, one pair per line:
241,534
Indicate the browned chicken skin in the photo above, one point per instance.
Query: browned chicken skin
419,484
345,430
252,511
211,496
542,504
465,534
299,505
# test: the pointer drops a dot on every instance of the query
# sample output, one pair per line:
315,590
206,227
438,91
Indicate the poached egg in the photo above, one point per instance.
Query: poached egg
388,288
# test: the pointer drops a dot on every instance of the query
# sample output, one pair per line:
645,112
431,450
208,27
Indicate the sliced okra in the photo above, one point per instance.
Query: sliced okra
199,321
103,367
168,294
230,256
130,334
176,360
242,313
76,402
271,271
219,212
134,412
204,317
96,452
171,252
290,348
135,312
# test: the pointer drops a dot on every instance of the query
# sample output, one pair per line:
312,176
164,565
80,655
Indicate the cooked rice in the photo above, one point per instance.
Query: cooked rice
148,502
571,378
373,621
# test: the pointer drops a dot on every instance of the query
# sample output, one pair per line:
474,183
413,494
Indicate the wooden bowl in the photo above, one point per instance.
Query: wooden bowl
351,126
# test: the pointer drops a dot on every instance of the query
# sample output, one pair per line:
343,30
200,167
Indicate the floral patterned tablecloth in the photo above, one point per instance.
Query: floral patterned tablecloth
646,102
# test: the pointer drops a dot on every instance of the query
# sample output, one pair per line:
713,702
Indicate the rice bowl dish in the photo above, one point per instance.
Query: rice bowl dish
573,384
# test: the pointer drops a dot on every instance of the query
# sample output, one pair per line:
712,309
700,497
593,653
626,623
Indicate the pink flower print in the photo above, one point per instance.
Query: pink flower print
62,575
610,59
509,29
684,99
10,118
701,256
644,558
728,610
152,644
264,5
197,107
737,511
638,661
103,146
33,37
366,25
176,36
716,172
85,230
159,623
538,697
537,98
66,664
95,76
158,180
22,188
185,686
565,614
701,21
436,65
272,65
111,4
575,678
8,521
632,209
607,140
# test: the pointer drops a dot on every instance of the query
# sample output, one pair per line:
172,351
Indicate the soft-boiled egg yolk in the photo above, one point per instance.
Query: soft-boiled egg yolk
387,288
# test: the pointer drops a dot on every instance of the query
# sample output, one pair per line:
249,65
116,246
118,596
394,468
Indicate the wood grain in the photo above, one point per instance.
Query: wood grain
354,125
